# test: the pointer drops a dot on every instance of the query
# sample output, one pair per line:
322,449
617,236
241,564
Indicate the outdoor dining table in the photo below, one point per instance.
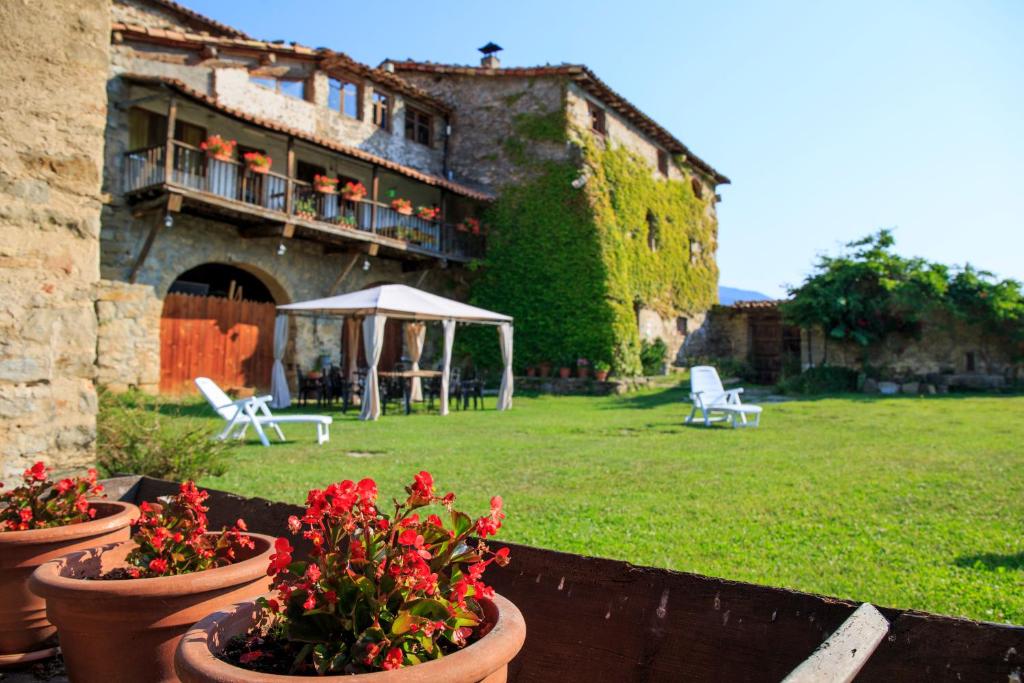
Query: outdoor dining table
408,376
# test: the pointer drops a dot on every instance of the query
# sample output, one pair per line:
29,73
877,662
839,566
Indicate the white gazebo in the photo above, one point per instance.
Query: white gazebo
374,306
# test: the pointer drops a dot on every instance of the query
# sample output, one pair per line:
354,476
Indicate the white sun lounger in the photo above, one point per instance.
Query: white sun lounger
715,403
254,411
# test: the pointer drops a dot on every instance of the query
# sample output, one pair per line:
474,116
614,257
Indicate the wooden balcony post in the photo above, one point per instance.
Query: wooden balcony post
442,225
375,186
172,119
289,198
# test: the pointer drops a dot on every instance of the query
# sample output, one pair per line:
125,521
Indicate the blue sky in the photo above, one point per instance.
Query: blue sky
832,119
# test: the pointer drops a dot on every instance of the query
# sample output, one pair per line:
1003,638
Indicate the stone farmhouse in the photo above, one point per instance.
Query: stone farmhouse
133,257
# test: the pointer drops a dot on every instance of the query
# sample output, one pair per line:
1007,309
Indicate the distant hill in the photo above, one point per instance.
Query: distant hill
730,295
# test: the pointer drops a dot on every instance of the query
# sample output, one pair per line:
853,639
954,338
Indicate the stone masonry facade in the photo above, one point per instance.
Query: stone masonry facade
50,168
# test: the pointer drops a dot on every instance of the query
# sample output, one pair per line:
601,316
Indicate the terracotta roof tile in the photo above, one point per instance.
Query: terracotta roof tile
329,59
198,18
355,152
589,82
758,304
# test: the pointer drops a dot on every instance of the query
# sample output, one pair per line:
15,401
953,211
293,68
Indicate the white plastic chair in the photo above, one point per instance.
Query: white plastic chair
254,411
716,403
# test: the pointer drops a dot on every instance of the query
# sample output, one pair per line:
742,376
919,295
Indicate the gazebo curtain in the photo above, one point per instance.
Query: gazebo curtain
446,368
373,340
415,334
281,397
505,392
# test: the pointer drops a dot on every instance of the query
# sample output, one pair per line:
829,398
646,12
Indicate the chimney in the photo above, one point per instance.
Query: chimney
490,59
388,66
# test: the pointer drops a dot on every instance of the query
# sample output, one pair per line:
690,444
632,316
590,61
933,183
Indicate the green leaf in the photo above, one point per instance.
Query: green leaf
402,622
428,608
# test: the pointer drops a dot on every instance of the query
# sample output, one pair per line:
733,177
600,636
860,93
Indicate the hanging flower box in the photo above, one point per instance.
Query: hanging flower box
218,148
257,163
353,191
469,225
324,184
428,213
306,209
402,206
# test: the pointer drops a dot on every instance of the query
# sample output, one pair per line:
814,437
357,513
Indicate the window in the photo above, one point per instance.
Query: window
286,86
695,251
653,231
597,120
344,97
382,110
148,128
682,325
970,363
698,189
419,126
663,162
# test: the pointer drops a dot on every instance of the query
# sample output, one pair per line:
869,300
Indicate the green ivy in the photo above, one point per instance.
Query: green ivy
570,263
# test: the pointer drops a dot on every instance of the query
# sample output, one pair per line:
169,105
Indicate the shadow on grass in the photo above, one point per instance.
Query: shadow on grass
993,562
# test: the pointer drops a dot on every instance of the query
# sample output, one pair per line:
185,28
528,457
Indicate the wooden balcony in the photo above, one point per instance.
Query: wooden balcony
261,203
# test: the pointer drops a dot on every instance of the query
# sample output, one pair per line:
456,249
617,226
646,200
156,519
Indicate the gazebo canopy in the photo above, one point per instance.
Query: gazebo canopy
401,302
375,306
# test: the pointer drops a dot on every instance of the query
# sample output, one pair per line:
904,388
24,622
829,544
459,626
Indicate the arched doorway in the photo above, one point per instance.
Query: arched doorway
217,322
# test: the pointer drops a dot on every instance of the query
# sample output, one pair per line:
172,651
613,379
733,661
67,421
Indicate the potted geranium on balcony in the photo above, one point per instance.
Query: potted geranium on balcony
257,162
469,225
428,213
402,206
324,184
354,191
401,594
218,148
120,608
39,521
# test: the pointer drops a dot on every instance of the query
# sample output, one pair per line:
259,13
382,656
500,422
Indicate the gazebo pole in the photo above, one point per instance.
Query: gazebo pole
446,369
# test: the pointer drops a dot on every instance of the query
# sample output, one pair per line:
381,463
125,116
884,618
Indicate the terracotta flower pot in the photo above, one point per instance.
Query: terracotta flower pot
325,189
601,375
127,630
404,212
564,373
23,623
353,196
222,157
258,169
582,372
544,369
531,371
485,660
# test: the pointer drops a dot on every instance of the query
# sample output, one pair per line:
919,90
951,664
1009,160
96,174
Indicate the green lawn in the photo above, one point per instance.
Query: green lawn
905,502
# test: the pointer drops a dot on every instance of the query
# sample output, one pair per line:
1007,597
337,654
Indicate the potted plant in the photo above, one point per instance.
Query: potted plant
582,368
345,221
565,371
531,371
324,184
601,370
218,148
40,521
257,162
469,225
544,369
401,594
428,213
120,608
402,206
305,208
354,191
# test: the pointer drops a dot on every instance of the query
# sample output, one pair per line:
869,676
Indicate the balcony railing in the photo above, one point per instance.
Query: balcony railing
193,169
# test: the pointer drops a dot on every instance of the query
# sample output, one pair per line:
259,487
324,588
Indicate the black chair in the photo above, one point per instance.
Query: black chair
472,388
392,390
310,387
433,388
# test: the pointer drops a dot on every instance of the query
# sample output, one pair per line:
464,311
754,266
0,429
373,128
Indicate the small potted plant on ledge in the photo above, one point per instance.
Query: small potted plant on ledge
324,184
354,191
120,608
218,148
582,368
400,594
428,213
601,370
531,371
257,162
544,368
402,206
39,521
305,209
469,225
565,369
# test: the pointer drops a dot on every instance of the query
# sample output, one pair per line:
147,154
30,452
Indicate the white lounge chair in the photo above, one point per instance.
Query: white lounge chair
715,403
254,411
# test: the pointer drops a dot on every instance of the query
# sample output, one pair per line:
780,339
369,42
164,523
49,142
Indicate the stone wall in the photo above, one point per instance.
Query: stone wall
152,15
482,149
51,138
674,331
127,350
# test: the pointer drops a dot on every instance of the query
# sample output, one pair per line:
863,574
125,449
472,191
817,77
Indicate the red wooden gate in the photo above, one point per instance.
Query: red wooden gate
231,342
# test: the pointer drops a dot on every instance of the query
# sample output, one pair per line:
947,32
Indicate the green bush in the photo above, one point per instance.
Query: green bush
653,355
136,436
824,379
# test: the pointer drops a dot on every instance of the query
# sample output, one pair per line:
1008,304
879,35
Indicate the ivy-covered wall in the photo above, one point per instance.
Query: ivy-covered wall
572,260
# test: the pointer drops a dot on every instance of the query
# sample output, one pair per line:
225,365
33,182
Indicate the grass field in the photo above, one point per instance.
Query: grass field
904,502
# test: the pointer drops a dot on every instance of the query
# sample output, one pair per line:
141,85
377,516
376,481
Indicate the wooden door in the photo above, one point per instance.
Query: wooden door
231,342
766,346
